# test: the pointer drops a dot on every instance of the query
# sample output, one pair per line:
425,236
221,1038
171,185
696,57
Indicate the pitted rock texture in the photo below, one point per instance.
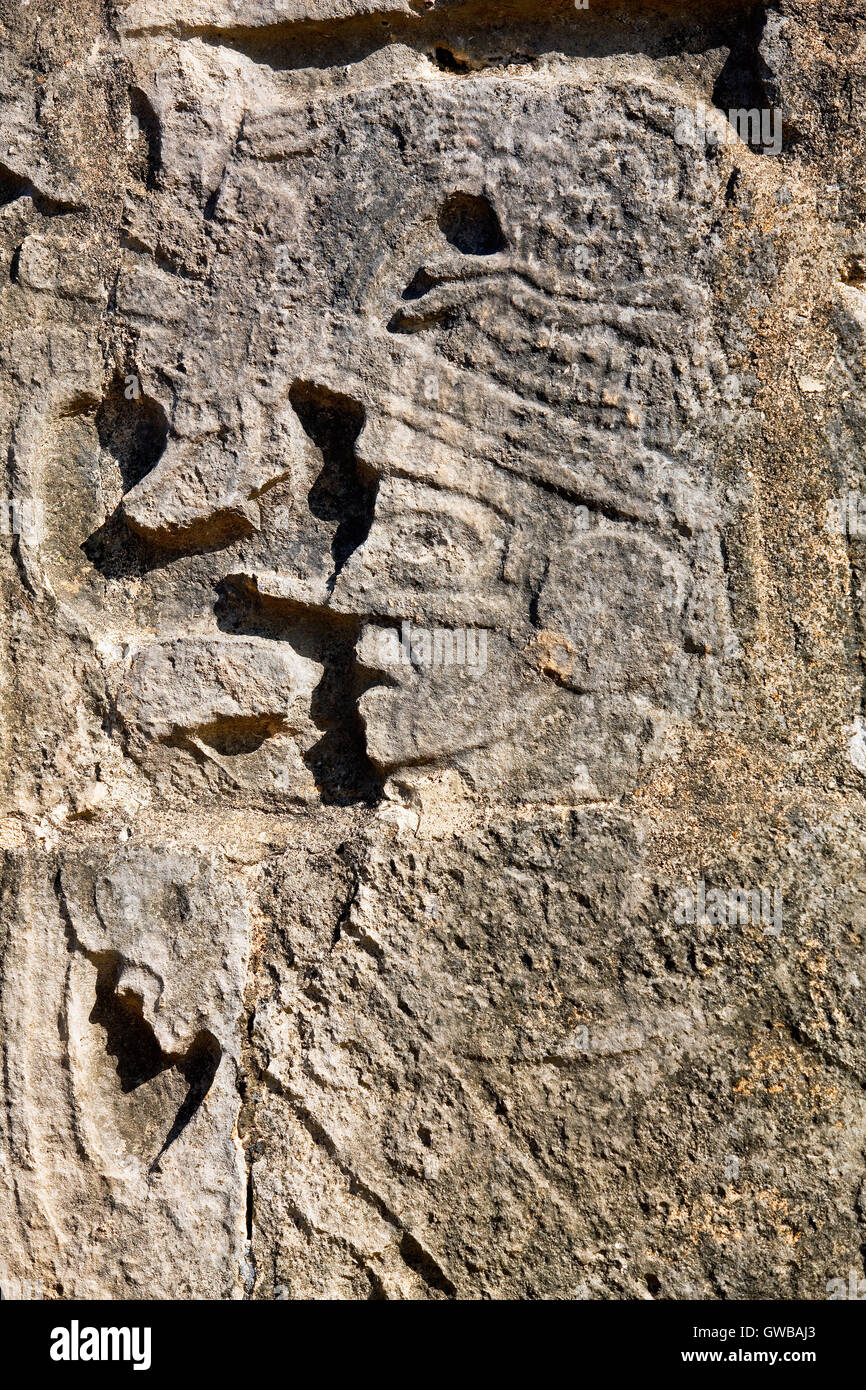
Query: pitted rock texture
423,425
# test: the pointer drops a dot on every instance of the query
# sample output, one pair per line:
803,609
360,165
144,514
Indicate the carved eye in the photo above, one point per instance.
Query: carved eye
471,224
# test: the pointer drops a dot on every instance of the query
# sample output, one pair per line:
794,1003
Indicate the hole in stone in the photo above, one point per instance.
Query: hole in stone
344,492
210,206
732,186
447,61
470,223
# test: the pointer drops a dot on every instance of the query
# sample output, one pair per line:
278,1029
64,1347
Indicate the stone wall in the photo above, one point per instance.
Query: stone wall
432,647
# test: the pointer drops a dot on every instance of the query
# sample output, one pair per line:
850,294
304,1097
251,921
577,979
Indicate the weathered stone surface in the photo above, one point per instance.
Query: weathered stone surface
433,556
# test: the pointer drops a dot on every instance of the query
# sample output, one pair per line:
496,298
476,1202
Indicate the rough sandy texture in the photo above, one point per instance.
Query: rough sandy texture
422,423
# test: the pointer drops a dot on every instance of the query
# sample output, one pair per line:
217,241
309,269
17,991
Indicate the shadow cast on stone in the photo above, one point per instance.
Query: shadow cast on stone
338,761
345,491
131,1041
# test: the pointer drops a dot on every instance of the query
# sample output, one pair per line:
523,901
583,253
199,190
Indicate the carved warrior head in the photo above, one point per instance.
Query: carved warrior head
457,364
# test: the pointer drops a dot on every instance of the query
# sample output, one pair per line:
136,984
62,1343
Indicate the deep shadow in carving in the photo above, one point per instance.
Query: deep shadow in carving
129,1037
134,433
13,186
118,553
339,763
198,1067
746,82
147,150
462,37
471,224
344,492
423,1264
415,320
420,284
446,61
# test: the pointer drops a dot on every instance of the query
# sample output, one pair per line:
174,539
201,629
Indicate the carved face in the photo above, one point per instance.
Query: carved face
454,374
